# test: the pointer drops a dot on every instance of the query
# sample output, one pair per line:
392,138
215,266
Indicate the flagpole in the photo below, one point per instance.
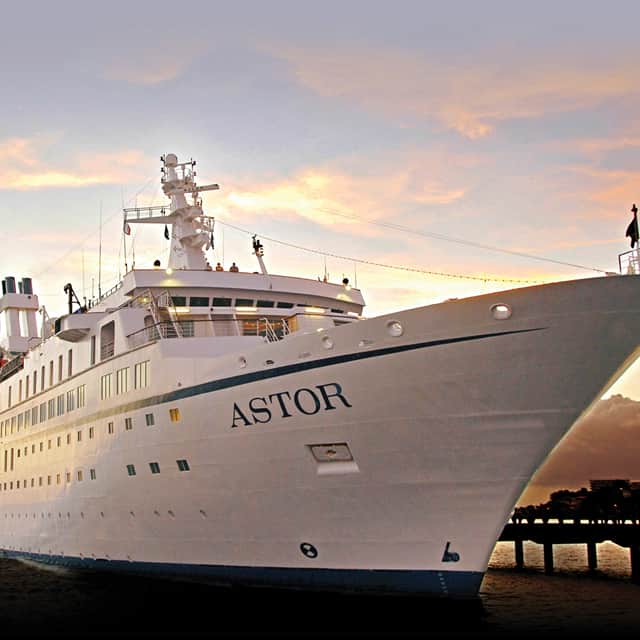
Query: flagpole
636,266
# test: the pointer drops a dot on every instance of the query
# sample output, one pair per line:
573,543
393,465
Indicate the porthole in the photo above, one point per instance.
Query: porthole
501,311
327,342
395,328
242,361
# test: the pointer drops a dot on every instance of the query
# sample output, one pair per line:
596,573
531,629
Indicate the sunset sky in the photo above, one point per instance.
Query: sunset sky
406,134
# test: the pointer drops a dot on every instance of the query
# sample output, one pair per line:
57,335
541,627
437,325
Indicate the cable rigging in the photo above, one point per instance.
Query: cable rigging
381,264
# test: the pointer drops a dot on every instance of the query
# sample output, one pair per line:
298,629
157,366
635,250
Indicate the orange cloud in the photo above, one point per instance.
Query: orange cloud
23,167
470,99
617,188
332,195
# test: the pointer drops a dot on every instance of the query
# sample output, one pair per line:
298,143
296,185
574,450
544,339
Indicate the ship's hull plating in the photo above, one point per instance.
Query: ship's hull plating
435,432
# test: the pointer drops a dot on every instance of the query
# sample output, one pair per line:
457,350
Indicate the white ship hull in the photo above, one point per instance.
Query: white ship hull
436,433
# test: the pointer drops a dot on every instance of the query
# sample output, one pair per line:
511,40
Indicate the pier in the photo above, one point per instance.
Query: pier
548,534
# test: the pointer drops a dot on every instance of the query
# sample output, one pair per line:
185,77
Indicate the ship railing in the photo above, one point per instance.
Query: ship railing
629,262
270,330
273,330
11,367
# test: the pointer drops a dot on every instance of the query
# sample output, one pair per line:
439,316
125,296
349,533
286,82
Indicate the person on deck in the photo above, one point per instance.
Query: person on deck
219,267
234,268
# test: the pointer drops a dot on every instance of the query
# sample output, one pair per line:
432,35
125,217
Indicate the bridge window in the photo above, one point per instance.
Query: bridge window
221,302
179,301
265,303
244,302
285,305
107,340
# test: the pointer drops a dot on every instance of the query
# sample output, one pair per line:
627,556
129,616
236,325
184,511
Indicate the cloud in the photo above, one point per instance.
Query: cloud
333,194
603,444
470,98
154,66
24,166
617,188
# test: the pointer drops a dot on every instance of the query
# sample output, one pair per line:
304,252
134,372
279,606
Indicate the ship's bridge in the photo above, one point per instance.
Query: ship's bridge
203,303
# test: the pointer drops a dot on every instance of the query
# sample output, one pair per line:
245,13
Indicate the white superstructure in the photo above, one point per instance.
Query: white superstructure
254,428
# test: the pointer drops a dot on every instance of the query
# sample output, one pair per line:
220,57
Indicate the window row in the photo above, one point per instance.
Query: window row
30,382
199,301
40,481
53,408
154,467
122,380
13,453
67,476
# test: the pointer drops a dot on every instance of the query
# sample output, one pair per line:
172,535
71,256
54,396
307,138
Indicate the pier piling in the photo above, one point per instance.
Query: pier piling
624,534
519,549
635,563
592,555
548,557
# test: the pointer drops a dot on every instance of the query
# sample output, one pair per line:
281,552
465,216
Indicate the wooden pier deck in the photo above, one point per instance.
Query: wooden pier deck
590,534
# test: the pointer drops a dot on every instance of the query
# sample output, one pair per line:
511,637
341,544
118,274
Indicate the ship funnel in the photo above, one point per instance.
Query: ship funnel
9,285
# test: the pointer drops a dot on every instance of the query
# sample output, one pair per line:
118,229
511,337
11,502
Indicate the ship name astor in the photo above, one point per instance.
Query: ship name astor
286,404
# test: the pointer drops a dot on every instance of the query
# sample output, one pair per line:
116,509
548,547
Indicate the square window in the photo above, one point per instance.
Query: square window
59,440
79,475
57,478
174,414
155,467
131,469
128,424
149,419
91,432
68,475
110,427
68,438
183,465
79,436
92,474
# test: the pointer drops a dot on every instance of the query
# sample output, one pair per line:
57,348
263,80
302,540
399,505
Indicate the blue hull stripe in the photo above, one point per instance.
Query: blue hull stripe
456,584
234,381
275,372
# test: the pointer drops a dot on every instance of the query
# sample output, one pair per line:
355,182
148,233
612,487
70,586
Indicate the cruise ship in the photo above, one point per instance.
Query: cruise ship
256,429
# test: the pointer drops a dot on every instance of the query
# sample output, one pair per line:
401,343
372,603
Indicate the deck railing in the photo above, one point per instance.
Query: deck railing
271,330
